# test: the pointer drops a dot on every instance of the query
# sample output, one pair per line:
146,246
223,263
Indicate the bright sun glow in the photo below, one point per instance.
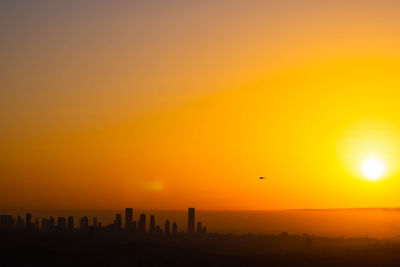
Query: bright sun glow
373,168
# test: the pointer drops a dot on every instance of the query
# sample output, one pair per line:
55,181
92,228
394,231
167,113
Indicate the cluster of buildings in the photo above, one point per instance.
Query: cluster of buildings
8,222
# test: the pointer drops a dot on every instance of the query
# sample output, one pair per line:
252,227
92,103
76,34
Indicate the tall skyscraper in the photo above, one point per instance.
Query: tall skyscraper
118,221
166,227
152,223
191,220
142,223
70,223
128,218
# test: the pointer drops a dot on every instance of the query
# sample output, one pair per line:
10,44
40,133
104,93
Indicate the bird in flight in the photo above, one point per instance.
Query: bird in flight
262,178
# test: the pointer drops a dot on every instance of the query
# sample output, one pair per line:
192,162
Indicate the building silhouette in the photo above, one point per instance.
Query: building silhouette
95,222
51,223
134,227
84,224
20,224
45,224
28,221
118,221
91,231
166,227
191,220
199,228
128,218
174,228
142,223
61,223
152,223
36,225
70,223
7,222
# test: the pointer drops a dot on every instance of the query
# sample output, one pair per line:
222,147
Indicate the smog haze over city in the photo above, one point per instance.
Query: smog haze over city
199,133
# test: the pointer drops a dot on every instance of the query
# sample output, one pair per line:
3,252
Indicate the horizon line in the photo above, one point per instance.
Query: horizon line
207,210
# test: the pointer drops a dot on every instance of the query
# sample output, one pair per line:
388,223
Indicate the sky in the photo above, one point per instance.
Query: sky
169,104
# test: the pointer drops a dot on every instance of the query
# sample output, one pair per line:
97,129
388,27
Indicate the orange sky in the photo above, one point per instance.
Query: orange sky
168,105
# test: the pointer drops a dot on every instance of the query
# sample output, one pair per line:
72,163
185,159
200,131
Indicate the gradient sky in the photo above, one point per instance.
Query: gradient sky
168,104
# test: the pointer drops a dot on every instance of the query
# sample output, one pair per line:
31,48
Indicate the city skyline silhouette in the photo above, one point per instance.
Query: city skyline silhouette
67,224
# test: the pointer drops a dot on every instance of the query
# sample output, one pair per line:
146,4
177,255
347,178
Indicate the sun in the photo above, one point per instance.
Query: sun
373,168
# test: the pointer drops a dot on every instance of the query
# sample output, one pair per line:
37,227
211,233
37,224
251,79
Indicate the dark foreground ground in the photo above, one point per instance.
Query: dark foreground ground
122,249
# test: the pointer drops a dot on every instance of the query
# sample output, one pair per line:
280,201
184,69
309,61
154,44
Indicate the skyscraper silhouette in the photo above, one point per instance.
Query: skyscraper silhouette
20,223
28,220
166,227
174,228
45,224
199,228
118,221
152,223
70,223
61,223
84,224
142,223
128,218
51,223
36,225
191,220
7,222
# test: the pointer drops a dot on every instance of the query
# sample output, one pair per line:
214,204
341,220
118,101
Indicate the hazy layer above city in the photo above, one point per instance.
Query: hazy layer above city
373,223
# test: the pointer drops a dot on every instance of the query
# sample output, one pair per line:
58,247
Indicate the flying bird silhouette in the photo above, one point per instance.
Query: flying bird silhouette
262,178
